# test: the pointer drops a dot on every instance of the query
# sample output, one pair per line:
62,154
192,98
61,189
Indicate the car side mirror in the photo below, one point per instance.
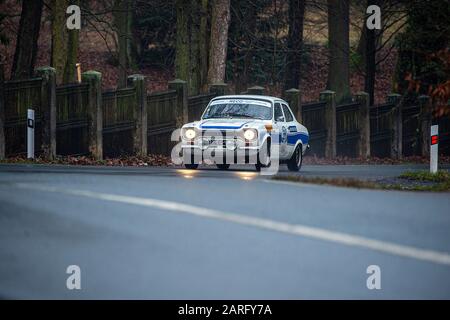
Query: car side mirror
279,119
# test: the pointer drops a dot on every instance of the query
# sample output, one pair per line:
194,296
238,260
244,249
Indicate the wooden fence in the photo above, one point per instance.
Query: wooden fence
18,97
313,118
380,130
161,120
399,127
71,119
119,108
79,119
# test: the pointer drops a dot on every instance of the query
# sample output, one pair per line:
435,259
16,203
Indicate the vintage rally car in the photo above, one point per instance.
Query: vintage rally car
244,129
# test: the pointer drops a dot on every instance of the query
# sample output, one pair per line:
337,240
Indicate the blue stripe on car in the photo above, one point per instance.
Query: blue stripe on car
220,127
293,138
223,127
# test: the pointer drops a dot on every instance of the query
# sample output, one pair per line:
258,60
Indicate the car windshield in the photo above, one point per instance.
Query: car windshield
253,109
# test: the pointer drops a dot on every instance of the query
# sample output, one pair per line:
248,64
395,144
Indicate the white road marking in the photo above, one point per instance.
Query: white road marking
294,229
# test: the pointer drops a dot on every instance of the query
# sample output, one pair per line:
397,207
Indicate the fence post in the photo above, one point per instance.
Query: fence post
330,121
396,126
256,90
140,133
425,124
2,113
48,111
219,89
364,124
293,98
181,110
95,113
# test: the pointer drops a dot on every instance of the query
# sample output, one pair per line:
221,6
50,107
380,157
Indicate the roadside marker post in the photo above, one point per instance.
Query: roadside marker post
30,134
434,149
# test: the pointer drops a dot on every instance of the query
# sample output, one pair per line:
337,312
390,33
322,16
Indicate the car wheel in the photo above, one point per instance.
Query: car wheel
263,160
295,162
223,166
189,160
191,166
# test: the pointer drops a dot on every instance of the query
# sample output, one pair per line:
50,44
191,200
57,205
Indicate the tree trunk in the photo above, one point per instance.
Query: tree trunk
122,24
27,39
242,31
194,82
72,52
338,38
182,63
362,43
191,58
59,38
294,44
370,59
204,45
219,40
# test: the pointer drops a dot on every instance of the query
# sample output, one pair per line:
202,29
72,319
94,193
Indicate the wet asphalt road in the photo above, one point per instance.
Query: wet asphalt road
157,233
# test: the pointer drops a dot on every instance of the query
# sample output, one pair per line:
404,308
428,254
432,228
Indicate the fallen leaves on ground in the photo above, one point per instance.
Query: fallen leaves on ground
124,161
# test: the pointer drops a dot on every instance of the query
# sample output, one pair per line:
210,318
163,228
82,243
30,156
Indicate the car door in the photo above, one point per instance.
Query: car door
281,128
292,130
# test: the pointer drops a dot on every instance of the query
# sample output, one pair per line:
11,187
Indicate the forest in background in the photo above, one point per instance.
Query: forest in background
279,44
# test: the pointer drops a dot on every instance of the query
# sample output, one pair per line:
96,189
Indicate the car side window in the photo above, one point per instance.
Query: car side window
287,113
278,113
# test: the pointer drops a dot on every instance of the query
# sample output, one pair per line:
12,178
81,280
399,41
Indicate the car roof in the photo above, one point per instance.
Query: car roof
248,96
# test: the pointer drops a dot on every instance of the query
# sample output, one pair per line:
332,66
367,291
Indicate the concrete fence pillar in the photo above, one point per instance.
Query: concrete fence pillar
48,111
364,124
425,120
140,133
256,90
181,109
293,98
2,113
219,89
396,126
330,122
95,113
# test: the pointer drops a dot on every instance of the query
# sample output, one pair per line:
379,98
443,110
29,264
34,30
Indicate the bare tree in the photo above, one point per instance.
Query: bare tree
27,39
59,37
294,43
72,52
122,23
219,40
338,37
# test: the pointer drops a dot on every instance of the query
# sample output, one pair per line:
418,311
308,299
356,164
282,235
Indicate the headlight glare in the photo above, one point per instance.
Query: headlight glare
249,134
190,134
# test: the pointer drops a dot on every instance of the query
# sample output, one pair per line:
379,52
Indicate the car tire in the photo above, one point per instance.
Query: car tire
188,159
223,166
295,162
260,164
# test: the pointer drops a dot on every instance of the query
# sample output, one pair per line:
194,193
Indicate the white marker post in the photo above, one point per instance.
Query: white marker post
434,149
30,134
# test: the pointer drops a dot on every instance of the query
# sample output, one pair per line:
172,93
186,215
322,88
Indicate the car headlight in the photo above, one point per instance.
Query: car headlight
249,134
190,134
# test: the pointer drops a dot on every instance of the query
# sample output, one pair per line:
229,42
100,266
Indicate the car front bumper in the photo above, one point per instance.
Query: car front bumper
220,154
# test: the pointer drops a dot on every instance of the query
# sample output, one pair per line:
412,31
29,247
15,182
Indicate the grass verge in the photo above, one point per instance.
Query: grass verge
408,181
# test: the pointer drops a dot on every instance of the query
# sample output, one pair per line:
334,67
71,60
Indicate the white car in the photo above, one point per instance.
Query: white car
244,129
